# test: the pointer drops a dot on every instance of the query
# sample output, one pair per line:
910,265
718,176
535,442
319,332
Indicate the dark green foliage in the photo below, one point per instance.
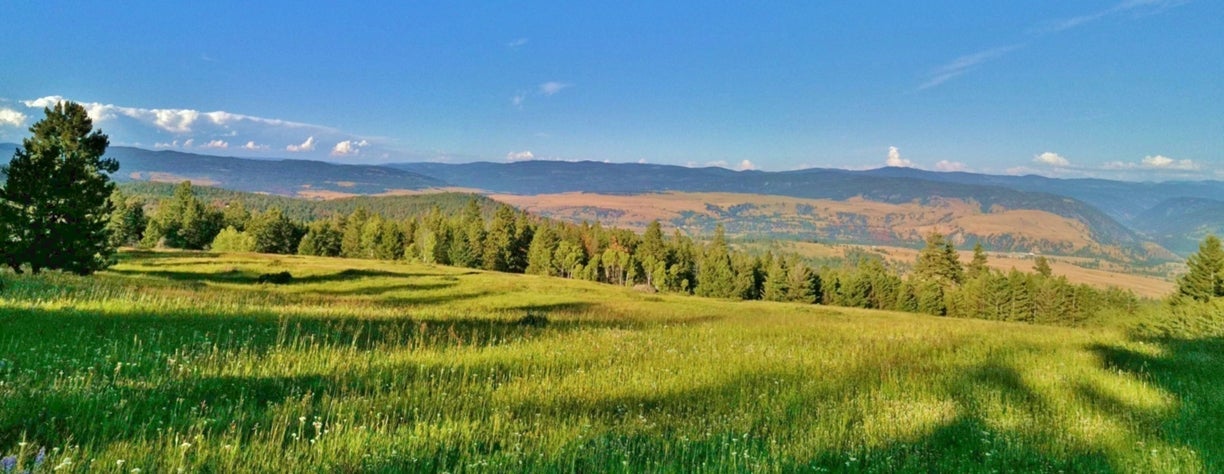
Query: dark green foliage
272,232
715,277
128,221
183,222
977,267
1204,279
55,207
323,238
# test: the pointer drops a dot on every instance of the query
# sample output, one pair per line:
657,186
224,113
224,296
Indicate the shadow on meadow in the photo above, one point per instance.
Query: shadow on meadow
1190,369
150,393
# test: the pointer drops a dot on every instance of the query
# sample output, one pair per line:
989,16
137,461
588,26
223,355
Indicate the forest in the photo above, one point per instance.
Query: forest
473,232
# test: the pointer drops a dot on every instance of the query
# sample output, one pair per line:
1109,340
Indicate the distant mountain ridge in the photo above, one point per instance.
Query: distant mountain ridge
1119,214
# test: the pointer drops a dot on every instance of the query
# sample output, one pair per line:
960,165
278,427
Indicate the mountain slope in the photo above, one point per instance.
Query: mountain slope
550,177
1181,223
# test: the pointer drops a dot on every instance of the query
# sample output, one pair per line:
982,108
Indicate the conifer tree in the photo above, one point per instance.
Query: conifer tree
55,204
1204,279
714,274
777,281
978,266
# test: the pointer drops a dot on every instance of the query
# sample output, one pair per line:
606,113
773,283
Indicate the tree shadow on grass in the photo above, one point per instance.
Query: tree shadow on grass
1192,370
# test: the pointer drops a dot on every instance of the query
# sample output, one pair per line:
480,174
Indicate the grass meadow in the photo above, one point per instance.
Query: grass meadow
180,361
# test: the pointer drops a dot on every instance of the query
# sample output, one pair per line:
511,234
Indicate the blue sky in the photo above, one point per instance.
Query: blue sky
1125,89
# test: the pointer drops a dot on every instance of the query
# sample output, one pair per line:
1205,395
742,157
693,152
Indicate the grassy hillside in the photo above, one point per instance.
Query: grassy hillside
854,220
181,361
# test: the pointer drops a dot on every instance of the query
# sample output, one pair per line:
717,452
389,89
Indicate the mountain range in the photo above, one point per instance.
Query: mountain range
1126,217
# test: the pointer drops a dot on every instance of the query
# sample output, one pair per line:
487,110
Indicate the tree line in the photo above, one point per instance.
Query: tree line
509,240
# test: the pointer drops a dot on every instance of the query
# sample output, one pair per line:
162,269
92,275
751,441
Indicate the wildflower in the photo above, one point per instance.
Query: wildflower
8,463
40,457
63,464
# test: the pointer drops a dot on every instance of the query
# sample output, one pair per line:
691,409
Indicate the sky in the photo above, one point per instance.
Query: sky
1124,89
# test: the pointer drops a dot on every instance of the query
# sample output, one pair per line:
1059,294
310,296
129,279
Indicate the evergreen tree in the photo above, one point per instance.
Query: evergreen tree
1204,279
715,277
273,232
183,222
499,242
323,238
938,261
777,281
803,285
55,205
354,224
540,254
236,215
128,221
977,267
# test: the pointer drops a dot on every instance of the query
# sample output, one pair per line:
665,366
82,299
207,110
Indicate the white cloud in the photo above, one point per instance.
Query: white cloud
1122,7
517,100
517,43
945,165
1157,162
216,144
1052,159
895,159
746,165
520,155
308,145
348,147
173,144
172,120
553,87
1160,161
251,145
189,143
11,117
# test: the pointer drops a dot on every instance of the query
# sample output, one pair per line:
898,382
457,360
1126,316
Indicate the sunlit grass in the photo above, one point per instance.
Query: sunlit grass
180,360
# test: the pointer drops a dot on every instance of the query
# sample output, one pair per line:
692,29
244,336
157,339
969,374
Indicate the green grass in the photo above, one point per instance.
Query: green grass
180,360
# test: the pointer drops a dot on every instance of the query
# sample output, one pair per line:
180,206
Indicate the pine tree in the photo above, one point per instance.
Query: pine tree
1204,279
55,205
978,266
777,281
128,221
714,274
540,254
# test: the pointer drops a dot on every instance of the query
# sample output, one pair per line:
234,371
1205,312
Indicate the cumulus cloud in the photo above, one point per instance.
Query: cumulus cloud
746,165
945,165
553,87
308,145
216,144
520,155
348,147
895,159
251,145
11,117
1052,159
1160,161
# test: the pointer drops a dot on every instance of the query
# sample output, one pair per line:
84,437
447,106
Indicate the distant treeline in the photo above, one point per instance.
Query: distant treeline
466,231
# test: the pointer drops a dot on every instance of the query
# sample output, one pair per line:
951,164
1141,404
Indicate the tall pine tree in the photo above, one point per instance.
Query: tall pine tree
55,206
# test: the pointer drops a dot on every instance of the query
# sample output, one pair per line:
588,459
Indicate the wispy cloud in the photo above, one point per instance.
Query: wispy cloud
1131,6
969,62
517,43
965,64
553,87
945,165
1156,162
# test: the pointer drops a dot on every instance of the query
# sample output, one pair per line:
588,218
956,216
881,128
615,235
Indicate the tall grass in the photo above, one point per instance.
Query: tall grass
181,361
